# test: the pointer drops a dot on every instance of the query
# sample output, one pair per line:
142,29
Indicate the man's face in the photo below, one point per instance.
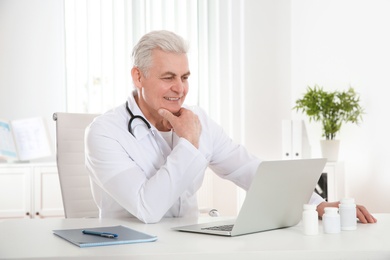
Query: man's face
166,84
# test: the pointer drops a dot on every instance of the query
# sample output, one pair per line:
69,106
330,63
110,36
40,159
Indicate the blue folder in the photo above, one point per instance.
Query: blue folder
124,234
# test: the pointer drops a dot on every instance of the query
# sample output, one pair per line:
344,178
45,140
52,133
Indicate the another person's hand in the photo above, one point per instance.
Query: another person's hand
362,213
185,123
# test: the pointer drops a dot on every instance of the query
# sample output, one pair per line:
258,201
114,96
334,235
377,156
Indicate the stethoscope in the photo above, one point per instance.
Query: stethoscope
133,117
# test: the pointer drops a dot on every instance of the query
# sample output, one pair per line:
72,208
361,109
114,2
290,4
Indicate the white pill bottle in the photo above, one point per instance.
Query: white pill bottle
347,209
331,221
310,219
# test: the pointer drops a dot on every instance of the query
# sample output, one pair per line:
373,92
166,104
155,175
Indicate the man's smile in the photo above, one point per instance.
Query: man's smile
172,98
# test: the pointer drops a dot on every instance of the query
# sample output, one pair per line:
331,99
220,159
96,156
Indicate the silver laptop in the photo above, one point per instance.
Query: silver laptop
274,200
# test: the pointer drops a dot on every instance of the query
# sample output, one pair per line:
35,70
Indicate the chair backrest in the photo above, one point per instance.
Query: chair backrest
74,177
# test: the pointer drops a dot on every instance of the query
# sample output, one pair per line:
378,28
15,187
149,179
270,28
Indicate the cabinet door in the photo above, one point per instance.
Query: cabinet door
15,192
47,193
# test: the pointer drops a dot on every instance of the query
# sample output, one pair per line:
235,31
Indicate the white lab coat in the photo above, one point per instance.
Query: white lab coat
142,176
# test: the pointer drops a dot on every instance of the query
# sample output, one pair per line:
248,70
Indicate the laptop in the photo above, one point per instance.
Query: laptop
274,200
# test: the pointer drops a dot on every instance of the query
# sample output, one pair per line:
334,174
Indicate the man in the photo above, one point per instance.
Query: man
147,158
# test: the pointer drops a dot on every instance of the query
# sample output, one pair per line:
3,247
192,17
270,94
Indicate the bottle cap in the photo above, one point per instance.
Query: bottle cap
331,210
347,201
309,206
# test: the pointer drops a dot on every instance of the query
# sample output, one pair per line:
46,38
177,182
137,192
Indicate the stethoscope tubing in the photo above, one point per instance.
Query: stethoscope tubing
133,117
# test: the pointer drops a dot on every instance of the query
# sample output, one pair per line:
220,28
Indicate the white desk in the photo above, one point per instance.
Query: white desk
33,238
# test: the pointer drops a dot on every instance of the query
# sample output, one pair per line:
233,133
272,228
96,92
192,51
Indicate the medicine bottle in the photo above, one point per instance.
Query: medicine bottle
331,221
310,219
347,209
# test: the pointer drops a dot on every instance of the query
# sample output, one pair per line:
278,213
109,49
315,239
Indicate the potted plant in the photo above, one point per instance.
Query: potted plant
332,109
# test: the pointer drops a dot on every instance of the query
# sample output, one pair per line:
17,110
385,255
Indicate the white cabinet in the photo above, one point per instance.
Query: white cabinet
30,191
15,192
47,192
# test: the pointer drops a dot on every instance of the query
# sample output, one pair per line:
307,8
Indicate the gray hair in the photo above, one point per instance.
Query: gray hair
163,40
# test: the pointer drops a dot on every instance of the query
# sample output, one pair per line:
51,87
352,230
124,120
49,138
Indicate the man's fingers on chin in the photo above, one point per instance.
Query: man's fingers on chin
162,112
165,113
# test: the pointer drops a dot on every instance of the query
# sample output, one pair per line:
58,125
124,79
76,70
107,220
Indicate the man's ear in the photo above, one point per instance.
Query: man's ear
136,74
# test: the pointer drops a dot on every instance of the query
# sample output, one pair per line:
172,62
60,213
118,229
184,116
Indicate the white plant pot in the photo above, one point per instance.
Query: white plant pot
330,149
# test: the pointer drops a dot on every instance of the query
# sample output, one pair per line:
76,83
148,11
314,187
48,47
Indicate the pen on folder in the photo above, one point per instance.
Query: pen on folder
101,234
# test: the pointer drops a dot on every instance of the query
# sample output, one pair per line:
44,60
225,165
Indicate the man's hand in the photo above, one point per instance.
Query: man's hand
185,123
361,212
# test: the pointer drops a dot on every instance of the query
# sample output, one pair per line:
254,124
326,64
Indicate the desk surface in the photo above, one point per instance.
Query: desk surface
33,238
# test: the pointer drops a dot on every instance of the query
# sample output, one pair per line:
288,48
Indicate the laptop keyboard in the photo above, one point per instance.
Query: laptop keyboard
220,228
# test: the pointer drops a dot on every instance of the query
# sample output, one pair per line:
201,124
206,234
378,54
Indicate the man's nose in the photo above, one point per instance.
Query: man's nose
178,86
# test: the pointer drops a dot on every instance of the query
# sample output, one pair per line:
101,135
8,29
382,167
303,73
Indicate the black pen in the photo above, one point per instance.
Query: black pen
101,234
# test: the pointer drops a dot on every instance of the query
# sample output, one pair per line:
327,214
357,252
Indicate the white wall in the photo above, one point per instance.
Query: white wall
338,44
32,64
267,75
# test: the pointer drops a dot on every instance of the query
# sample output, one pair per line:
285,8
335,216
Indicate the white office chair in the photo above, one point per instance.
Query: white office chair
74,177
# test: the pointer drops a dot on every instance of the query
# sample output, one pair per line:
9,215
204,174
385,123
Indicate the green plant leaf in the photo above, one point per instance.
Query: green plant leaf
332,109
